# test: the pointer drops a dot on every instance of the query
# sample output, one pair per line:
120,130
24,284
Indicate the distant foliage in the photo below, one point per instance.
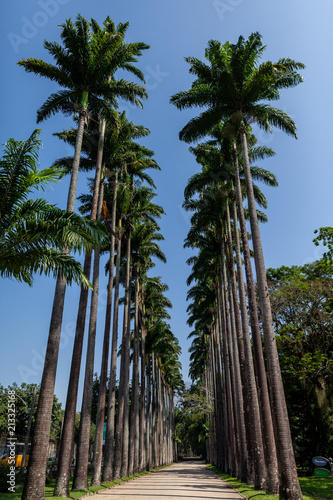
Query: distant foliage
24,394
302,304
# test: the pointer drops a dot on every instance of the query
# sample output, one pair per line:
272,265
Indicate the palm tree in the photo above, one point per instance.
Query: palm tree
82,456
82,68
33,232
235,87
119,55
41,233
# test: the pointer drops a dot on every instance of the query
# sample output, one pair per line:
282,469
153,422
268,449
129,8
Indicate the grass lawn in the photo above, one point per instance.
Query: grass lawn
319,486
73,494
311,487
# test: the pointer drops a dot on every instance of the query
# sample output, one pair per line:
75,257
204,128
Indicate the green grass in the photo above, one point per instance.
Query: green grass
320,486
76,494
311,487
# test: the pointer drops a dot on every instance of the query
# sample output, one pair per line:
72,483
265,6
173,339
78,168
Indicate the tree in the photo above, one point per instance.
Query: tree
141,209
234,87
144,244
301,298
23,402
82,68
192,428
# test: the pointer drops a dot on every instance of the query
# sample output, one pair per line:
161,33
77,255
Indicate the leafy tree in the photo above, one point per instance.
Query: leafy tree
23,401
192,428
325,237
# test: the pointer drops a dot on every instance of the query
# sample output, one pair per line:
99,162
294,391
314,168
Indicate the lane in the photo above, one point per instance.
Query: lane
177,482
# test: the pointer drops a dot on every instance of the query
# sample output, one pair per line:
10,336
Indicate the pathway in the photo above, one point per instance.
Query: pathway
177,482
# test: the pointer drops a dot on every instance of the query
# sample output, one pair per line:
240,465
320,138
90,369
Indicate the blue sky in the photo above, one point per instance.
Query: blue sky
173,29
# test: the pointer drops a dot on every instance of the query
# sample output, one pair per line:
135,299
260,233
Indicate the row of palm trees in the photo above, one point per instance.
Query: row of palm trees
249,428
139,433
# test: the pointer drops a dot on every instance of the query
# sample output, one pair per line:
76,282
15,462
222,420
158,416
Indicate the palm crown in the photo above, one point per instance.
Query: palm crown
85,66
235,86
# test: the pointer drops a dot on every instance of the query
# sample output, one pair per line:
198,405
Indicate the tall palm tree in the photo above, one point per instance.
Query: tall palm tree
82,69
159,342
235,87
82,455
99,45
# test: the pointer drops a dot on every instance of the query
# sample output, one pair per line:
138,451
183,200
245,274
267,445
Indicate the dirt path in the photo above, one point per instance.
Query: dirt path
177,482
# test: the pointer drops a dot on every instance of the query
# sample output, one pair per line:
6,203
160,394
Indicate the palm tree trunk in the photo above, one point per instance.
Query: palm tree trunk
219,401
27,434
34,485
232,426
110,425
255,441
220,329
142,422
236,389
174,450
80,481
98,444
126,444
149,427
160,417
259,468
289,487
66,444
236,362
214,429
154,410
67,436
124,375
134,420
272,478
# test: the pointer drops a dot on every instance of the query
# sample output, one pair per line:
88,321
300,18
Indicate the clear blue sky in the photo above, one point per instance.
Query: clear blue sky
174,29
